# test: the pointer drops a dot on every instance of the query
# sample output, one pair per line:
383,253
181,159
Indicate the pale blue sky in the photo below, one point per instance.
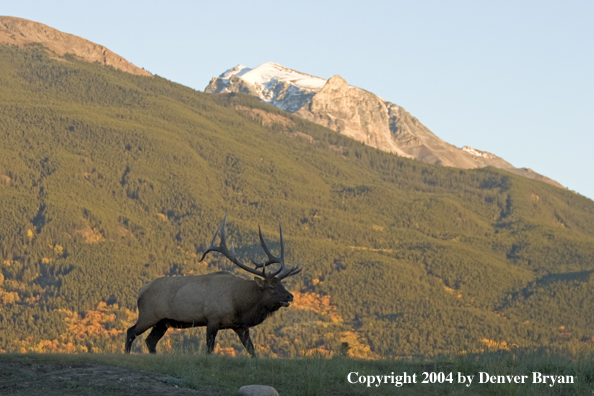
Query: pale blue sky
514,78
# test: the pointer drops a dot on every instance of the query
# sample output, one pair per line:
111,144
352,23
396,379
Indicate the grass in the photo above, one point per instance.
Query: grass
319,376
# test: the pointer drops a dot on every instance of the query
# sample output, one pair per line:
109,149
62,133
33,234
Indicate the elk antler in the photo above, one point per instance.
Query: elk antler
222,248
281,273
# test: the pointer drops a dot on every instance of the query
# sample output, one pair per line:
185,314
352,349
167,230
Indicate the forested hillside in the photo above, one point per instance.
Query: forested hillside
108,180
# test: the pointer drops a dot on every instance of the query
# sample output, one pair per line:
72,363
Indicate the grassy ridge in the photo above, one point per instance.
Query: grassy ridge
108,180
312,376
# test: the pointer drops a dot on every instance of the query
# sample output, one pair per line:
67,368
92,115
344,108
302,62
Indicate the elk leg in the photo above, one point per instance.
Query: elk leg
130,337
244,336
211,335
155,335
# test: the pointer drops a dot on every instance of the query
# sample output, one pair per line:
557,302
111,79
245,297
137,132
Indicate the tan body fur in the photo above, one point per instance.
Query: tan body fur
218,301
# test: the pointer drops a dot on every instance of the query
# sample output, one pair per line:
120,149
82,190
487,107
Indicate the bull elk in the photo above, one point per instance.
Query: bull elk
218,301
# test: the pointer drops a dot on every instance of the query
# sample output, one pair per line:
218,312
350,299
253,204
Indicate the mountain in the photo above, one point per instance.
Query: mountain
356,113
20,32
109,180
279,86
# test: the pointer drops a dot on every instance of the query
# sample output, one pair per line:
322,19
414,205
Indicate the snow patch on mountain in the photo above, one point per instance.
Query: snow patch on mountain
238,70
275,84
266,73
478,153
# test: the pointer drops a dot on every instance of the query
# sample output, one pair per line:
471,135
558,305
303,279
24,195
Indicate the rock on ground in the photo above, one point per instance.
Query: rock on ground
257,390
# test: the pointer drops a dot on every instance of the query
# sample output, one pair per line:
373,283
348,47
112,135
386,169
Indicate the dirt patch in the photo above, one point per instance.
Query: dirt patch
91,235
33,377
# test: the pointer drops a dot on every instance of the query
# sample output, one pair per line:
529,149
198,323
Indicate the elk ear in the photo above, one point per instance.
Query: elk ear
261,283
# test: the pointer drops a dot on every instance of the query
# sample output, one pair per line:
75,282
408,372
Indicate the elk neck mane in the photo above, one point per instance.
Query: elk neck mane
251,308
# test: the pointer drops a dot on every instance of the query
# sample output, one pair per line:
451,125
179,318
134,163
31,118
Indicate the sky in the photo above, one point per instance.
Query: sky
514,78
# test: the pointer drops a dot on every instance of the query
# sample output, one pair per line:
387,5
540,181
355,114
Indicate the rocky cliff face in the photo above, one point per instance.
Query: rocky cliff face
356,113
18,31
368,118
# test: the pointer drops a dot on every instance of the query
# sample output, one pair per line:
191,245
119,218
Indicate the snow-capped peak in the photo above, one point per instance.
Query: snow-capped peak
238,70
270,71
280,86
